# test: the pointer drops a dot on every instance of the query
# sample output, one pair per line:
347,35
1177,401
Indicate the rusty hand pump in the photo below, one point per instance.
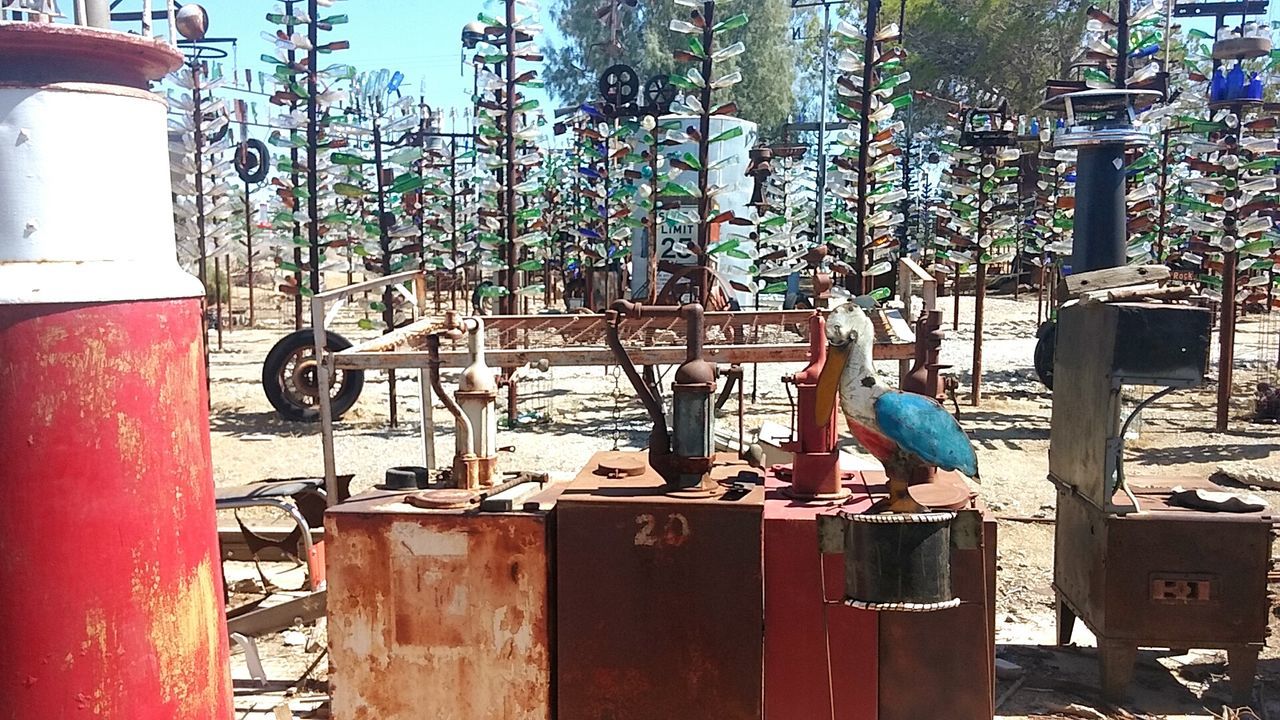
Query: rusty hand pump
683,454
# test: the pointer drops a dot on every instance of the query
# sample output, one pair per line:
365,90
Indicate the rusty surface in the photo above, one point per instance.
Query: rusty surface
438,613
38,53
1105,567
112,604
1167,577
659,600
945,658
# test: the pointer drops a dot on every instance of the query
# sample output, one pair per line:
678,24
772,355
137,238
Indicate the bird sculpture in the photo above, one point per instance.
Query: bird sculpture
904,431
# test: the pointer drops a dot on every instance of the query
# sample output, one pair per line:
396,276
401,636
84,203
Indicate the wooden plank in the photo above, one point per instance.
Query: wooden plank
1073,285
295,611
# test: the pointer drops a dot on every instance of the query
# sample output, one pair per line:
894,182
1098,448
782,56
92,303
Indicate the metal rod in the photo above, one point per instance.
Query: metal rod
820,189
704,153
384,247
864,138
313,148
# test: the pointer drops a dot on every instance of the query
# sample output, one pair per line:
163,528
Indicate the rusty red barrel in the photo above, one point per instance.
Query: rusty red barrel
110,592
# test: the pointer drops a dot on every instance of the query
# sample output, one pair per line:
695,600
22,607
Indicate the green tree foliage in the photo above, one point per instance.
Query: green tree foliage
966,48
765,95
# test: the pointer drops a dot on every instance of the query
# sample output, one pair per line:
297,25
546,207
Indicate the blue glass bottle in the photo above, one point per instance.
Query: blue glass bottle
1217,86
1254,91
1235,83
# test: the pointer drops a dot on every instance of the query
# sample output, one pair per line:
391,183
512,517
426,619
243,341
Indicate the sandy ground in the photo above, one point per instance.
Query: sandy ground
590,409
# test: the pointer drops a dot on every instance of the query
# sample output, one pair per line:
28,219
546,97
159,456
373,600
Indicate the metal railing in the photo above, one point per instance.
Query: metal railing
93,13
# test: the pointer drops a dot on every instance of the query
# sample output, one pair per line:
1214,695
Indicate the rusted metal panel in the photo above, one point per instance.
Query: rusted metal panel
659,600
1168,576
438,613
112,601
799,631
944,659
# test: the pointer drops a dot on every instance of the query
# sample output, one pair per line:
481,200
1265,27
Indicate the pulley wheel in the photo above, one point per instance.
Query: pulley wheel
619,85
659,93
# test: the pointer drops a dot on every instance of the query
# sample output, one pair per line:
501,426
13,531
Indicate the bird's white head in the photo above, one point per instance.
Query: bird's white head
850,339
849,327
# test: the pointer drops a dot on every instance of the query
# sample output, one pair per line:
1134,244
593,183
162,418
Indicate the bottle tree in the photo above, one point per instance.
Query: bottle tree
704,54
508,127
201,169
386,158
1052,217
984,221
305,92
872,88
785,218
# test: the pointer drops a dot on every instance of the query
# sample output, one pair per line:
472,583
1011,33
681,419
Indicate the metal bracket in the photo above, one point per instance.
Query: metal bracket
966,530
830,534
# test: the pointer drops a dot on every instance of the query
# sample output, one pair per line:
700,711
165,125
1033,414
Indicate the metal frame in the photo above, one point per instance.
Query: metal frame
320,319
582,340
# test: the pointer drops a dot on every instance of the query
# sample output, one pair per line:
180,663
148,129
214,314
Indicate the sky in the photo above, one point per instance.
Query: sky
420,38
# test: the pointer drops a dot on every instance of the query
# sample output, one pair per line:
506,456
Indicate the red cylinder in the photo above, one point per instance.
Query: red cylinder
110,589
815,470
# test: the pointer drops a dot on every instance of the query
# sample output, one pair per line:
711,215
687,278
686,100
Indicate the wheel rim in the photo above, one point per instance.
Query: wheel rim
298,380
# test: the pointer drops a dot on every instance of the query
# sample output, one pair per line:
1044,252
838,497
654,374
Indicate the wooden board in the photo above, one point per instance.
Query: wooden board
1073,285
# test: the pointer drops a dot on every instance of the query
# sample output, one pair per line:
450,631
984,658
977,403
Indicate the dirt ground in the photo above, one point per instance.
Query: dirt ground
586,410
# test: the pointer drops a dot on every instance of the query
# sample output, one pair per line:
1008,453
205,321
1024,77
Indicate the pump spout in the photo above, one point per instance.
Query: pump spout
477,395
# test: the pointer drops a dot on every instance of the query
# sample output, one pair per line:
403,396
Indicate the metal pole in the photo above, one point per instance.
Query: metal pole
864,137
294,179
820,190
248,242
704,154
384,245
313,151
509,186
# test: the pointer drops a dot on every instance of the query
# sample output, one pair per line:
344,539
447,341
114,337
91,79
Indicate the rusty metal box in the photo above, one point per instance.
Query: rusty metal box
659,600
799,631
1169,577
1101,347
438,613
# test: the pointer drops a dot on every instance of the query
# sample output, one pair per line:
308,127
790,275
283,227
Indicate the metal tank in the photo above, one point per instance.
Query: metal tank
112,602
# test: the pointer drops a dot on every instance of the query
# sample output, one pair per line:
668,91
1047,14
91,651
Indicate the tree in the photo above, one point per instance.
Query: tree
966,48
765,95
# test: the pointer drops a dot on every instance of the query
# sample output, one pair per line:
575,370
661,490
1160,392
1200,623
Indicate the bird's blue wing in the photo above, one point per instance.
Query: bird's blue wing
924,428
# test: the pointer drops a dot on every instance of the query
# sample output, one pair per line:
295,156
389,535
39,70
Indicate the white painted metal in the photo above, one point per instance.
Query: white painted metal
85,207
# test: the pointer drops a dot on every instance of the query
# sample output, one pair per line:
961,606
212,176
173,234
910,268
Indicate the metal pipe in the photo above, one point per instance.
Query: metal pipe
821,185
462,432
864,141
613,321
97,13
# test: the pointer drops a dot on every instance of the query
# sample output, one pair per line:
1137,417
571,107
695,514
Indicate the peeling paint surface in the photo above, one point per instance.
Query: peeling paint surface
437,613
107,527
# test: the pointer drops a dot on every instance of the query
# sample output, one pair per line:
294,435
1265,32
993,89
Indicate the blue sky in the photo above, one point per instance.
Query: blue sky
421,38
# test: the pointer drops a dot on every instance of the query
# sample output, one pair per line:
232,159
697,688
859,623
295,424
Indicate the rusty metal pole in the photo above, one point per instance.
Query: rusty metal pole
1227,319
384,246
704,153
248,243
864,141
294,178
979,297
313,152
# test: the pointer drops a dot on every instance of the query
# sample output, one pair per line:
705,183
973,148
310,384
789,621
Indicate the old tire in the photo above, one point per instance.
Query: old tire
289,381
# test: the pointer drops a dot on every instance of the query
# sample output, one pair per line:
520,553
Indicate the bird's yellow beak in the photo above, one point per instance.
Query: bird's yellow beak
829,382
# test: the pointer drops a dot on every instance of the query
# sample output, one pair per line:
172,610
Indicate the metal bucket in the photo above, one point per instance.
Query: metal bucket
898,562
